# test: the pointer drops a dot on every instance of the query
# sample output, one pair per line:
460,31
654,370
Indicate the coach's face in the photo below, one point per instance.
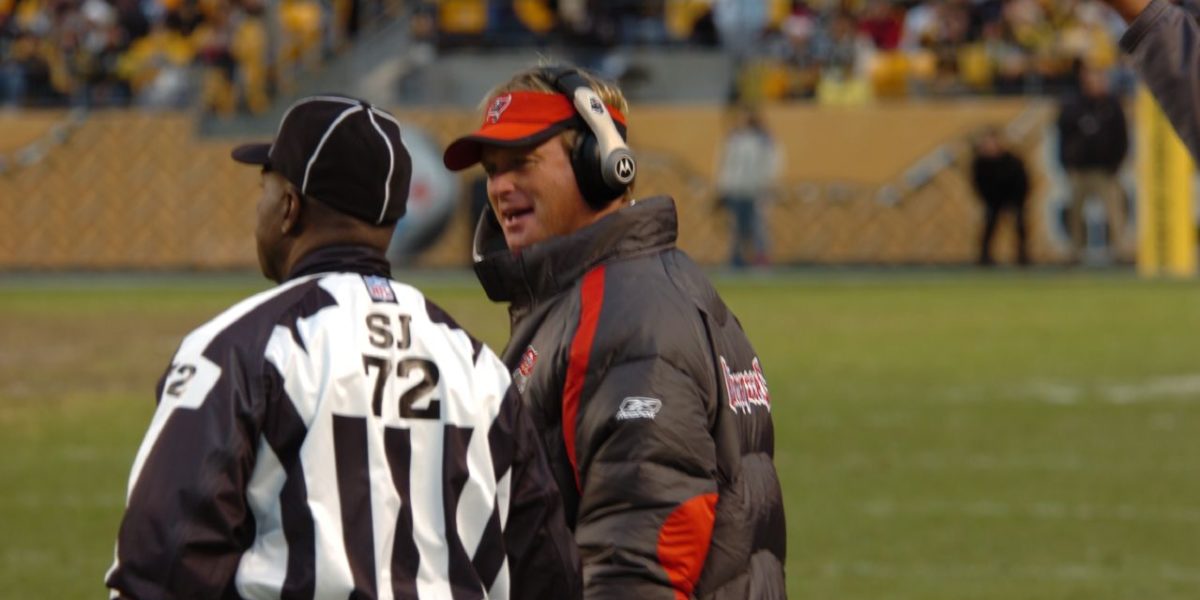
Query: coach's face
533,192
269,233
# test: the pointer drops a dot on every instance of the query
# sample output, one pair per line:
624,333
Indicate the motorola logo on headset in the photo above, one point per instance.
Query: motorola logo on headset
626,169
604,165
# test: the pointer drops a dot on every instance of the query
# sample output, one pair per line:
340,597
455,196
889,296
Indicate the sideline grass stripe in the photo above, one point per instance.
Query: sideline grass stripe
939,435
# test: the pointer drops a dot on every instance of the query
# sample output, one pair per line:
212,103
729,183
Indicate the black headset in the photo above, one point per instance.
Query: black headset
604,165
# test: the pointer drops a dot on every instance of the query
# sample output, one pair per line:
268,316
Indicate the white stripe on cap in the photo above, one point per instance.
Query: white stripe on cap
304,101
380,113
387,185
321,144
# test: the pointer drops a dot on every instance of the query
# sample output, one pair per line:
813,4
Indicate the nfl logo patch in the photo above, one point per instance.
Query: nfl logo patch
379,288
525,368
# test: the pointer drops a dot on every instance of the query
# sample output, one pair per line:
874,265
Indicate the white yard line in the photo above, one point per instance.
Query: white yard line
1066,572
1041,510
1057,392
43,502
1160,387
958,461
1171,388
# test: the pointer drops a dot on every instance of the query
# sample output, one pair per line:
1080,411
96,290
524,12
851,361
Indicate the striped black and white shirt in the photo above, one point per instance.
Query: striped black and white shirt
339,436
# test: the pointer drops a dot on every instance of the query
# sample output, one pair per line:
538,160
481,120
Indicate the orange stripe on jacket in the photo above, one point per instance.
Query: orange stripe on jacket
591,301
683,542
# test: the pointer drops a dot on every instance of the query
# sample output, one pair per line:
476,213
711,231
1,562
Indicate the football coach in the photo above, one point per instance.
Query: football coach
651,402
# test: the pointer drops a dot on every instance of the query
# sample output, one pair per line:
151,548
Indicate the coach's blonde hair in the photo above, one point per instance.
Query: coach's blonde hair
534,79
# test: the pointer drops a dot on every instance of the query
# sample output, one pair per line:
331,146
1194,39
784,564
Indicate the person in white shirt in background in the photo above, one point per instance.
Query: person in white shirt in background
749,167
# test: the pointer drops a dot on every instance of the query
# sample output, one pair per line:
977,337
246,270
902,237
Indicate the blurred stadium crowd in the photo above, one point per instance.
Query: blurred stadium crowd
852,51
837,51
224,55
230,55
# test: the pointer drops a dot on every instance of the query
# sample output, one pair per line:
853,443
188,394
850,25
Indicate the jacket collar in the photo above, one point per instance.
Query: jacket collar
546,268
363,260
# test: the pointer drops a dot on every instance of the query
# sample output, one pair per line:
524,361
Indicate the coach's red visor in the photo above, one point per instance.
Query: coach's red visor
517,119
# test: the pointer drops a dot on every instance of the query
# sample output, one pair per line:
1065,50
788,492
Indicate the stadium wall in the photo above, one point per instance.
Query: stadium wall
885,184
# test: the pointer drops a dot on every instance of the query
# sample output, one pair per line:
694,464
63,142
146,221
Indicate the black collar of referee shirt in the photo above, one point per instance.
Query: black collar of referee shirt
363,260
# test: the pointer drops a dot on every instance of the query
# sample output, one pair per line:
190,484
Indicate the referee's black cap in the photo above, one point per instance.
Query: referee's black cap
341,151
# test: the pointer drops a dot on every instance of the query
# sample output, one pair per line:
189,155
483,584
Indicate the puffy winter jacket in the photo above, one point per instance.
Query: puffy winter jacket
652,404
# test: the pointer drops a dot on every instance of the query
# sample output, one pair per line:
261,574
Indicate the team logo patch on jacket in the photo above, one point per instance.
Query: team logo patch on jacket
525,368
379,288
638,407
746,389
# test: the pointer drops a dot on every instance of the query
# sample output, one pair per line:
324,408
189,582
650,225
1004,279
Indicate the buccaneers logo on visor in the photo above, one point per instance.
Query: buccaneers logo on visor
499,105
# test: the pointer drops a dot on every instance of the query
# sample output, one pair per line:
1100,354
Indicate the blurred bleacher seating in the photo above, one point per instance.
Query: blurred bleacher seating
237,55
222,55
836,51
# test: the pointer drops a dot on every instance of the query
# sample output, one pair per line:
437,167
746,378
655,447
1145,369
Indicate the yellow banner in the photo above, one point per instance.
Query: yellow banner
1166,221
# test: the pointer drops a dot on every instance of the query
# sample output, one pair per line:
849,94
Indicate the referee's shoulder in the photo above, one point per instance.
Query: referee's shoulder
261,311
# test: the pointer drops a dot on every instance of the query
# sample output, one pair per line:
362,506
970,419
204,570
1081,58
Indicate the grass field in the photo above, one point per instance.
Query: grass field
939,435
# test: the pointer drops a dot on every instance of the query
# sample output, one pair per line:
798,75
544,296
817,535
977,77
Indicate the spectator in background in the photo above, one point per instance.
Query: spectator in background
132,20
749,167
1093,142
948,37
1002,183
642,22
183,16
919,23
93,57
883,22
12,68
156,67
839,45
214,51
983,13
845,56
45,80
740,25
798,51
1007,61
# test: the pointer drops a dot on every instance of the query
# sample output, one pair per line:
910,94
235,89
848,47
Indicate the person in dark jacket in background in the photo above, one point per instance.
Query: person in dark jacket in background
1002,182
1093,142
1164,41
653,404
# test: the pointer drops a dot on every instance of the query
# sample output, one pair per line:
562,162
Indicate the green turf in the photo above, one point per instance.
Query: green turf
950,435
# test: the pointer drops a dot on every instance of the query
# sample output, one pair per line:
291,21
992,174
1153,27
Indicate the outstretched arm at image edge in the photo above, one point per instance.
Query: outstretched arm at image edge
1164,41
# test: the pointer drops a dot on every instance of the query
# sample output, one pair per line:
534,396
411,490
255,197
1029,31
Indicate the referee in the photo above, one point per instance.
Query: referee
339,435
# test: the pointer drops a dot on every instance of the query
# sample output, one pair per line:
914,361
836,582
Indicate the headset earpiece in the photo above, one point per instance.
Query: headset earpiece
585,161
604,166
